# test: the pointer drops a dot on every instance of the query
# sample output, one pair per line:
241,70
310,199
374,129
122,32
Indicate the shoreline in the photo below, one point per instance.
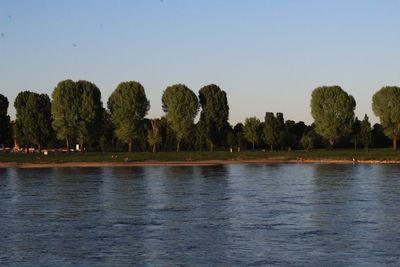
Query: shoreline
188,163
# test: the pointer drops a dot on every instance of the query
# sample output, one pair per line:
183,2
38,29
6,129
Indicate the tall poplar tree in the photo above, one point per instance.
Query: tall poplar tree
365,132
273,128
214,113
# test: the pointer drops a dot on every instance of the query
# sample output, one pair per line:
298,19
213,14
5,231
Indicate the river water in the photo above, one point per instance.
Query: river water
259,215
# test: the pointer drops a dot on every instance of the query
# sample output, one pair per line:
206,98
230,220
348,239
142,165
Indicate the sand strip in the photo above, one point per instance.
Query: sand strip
188,163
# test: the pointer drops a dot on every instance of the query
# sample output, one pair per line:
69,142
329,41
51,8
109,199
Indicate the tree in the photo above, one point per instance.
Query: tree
294,131
215,112
273,128
356,132
154,134
333,112
76,110
65,110
307,141
365,132
181,107
33,118
238,131
5,124
90,113
167,135
378,137
386,106
251,130
200,135
107,136
128,105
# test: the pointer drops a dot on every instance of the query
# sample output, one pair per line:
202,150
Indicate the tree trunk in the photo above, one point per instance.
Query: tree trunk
178,146
81,146
67,141
253,145
394,143
272,148
154,148
130,145
211,147
40,149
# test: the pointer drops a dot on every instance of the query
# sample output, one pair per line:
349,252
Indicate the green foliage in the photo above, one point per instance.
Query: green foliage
77,111
200,135
214,114
128,105
378,137
154,134
5,124
355,136
33,118
64,110
167,136
333,112
386,106
181,107
365,132
293,133
107,137
273,128
238,131
307,141
251,130
90,112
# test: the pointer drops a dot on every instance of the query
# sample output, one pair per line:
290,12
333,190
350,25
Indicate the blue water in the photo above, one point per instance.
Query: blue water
259,215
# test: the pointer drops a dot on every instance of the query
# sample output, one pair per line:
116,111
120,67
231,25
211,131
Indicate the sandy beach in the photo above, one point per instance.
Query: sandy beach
189,163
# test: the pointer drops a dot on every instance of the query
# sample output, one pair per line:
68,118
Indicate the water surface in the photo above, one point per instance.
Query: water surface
267,214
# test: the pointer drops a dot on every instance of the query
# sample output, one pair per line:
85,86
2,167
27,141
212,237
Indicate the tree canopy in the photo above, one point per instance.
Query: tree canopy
273,128
65,111
333,112
181,107
128,105
90,112
214,113
365,132
154,134
76,109
33,118
251,130
5,124
77,115
386,106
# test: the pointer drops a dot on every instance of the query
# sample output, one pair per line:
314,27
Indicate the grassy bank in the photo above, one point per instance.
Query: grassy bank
348,154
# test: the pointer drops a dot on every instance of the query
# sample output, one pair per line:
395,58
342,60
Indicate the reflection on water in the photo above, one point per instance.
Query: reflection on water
277,214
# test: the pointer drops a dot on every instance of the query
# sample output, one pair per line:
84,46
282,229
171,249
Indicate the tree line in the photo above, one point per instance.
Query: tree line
75,114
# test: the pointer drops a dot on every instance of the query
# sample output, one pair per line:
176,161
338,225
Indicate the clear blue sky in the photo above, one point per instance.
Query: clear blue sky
267,55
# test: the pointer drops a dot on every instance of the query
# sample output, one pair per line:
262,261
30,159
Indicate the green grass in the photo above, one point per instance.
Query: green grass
337,154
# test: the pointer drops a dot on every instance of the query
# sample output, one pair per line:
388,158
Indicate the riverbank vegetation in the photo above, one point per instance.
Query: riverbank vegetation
74,118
